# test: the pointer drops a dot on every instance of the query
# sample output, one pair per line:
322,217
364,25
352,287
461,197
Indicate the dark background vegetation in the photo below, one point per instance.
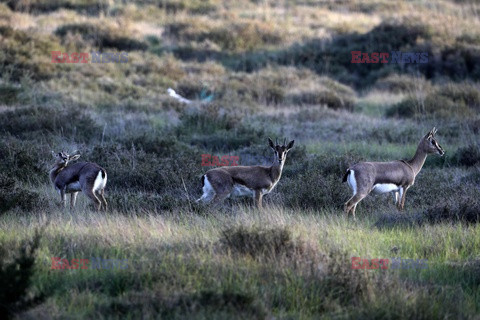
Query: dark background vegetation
253,69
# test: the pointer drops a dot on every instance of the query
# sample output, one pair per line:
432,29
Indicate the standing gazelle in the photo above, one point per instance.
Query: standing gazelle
220,183
87,177
395,176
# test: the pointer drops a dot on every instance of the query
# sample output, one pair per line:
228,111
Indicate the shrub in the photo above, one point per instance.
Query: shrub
451,100
258,242
202,304
16,278
29,122
41,6
315,182
26,54
335,96
25,158
102,36
401,83
467,211
235,37
469,155
9,94
463,209
12,197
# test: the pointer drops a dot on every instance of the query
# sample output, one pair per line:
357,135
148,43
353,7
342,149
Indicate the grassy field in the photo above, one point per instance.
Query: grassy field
252,69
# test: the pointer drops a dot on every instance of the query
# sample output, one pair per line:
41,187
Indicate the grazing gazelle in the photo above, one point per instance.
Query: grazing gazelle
220,183
395,176
87,177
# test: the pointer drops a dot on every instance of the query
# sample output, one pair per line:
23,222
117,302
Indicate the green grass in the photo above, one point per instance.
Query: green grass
179,256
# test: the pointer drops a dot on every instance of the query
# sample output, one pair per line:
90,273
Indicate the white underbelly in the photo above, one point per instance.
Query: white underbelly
380,188
241,191
73,187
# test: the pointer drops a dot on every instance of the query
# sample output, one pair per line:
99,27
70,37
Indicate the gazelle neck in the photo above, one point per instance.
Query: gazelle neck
55,171
276,169
418,160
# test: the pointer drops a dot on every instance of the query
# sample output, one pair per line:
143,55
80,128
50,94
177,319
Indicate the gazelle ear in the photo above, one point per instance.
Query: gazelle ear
270,143
290,145
73,158
434,131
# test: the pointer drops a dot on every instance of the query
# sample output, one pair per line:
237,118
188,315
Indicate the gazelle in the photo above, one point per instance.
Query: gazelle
87,177
257,181
395,176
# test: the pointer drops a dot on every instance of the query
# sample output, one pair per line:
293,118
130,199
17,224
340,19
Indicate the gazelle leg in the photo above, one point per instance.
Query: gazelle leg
219,198
402,203
400,198
101,197
258,199
353,210
73,199
395,197
351,204
94,198
64,198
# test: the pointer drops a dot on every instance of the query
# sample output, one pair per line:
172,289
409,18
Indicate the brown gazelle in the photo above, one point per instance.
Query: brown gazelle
395,176
220,183
87,177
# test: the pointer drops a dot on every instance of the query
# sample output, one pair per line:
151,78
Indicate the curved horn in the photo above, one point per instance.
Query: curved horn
284,141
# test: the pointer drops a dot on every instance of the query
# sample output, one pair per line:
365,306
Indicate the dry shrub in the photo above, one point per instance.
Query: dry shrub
102,36
402,83
26,54
42,6
450,100
235,37
326,92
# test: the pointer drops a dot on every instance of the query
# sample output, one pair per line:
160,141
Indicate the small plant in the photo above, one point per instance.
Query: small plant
15,278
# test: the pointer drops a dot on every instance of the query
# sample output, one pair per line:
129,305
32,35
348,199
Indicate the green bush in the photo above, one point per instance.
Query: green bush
25,158
315,182
9,94
16,278
468,155
12,197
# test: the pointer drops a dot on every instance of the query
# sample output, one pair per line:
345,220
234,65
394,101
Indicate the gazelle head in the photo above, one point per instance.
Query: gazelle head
280,151
430,145
63,158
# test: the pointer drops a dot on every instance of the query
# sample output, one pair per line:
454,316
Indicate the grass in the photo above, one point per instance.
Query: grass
182,259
